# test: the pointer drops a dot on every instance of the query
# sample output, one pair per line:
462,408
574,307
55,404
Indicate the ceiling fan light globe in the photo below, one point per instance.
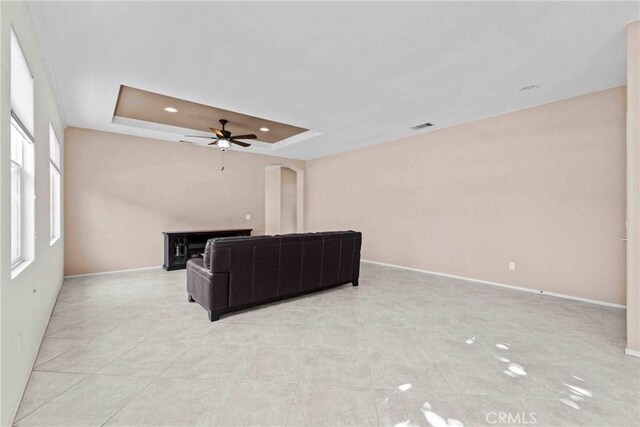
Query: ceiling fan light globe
223,144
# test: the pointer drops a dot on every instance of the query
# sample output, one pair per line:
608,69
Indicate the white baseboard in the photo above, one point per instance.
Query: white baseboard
113,272
634,353
502,285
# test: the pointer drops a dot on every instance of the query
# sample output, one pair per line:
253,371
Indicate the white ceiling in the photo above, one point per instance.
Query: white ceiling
354,73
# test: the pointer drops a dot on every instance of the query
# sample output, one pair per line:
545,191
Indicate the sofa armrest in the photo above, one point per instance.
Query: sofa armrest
210,290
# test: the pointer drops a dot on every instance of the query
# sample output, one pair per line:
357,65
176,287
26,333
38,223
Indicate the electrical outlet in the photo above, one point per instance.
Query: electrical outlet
512,265
247,217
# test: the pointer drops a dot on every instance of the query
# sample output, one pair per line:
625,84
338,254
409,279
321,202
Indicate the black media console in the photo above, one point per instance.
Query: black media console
181,246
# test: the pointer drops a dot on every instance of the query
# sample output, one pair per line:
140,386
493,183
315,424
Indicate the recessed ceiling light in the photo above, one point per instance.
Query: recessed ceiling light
263,129
530,87
170,110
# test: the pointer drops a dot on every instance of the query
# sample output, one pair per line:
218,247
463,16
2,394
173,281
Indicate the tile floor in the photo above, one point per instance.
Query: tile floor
404,348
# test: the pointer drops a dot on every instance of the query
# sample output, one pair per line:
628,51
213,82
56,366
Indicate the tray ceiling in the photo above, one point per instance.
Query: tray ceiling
145,106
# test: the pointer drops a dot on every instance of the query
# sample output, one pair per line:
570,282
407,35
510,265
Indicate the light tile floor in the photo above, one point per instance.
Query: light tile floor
404,348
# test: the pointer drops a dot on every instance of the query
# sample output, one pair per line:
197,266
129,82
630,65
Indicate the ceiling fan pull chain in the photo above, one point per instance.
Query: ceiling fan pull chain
222,161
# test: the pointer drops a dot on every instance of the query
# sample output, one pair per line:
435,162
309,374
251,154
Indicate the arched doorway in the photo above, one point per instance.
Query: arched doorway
284,199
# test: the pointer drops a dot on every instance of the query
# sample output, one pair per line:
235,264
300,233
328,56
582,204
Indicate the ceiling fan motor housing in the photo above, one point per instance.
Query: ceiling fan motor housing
223,138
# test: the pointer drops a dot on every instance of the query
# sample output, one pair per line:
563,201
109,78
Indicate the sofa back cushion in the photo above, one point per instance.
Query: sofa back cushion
265,267
206,257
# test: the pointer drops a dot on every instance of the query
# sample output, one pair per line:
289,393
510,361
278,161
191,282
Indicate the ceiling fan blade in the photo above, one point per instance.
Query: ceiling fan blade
218,132
200,136
240,143
213,143
248,136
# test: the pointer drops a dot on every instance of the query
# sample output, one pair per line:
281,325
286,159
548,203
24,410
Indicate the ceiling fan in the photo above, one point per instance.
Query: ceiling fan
223,138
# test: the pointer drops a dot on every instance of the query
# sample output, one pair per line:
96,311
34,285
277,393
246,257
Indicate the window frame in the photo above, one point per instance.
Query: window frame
26,138
55,190
19,258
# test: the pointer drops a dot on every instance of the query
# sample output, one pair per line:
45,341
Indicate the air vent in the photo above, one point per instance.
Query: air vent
422,126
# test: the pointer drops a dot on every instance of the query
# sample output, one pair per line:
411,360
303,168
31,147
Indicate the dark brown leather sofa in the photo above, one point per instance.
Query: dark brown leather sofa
239,272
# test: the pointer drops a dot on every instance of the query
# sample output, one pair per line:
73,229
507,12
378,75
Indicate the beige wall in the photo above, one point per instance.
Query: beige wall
543,187
121,192
633,187
27,299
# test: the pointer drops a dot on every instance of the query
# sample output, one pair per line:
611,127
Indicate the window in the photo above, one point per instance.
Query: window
54,186
21,194
22,159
